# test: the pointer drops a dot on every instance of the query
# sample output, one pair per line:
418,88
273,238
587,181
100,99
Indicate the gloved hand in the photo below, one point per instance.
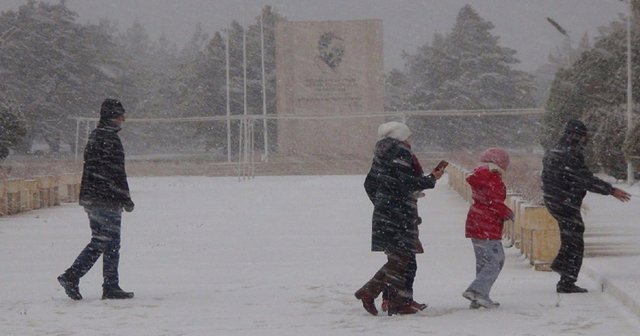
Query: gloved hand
511,217
128,205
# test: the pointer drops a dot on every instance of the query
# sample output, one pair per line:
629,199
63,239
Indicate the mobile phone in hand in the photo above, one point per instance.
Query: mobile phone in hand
442,165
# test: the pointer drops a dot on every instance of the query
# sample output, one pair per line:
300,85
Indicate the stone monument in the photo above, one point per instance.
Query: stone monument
329,76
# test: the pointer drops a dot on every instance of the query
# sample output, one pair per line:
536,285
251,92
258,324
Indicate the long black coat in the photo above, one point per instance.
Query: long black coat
565,176
391,184
104,180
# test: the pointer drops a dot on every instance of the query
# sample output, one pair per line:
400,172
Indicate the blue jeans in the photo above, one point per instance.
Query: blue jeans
105,241
489,262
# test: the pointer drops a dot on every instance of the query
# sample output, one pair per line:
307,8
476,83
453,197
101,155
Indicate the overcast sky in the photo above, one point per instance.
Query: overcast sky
408,24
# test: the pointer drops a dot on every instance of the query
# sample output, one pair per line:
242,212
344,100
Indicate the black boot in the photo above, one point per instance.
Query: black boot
115,292
70,284
567,288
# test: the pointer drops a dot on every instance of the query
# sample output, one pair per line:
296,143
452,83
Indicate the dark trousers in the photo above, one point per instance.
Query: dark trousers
105,241
410,275
569,259
395,277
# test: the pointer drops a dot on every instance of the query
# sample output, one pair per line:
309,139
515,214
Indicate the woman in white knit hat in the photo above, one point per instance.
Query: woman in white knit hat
391,184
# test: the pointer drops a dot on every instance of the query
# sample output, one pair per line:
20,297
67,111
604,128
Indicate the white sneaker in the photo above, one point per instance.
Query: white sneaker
478,300
470,295
487,302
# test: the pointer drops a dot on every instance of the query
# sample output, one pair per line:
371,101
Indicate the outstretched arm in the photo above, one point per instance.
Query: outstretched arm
621,195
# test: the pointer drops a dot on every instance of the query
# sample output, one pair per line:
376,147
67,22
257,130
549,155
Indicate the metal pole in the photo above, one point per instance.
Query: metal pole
244,67
252,167
564,32
87,131
630,170
228,101
244,103
77,139
240,149
244,148
264,92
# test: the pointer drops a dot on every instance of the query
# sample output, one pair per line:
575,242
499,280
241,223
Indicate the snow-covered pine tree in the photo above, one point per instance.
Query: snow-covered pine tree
468,69
594,89
52,68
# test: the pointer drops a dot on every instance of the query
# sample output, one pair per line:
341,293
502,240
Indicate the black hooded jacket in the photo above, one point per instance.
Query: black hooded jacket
390,185
104,180
565,176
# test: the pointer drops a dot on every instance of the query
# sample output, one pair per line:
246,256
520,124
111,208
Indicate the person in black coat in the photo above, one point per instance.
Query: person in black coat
565,182
104,193
391,185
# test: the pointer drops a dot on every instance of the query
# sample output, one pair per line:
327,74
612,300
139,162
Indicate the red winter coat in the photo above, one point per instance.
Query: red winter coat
488,211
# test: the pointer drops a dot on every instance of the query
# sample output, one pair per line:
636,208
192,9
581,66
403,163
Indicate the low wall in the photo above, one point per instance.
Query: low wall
533,231
19,195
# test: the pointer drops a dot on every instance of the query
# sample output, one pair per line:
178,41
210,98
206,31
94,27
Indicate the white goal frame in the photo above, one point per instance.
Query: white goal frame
247,156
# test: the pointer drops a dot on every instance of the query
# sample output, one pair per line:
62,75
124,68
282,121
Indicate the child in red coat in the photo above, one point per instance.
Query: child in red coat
484,224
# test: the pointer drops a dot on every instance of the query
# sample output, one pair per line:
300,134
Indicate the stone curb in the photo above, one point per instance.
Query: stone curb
609,287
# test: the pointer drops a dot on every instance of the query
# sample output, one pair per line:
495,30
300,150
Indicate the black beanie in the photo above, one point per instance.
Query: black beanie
111,108
576,127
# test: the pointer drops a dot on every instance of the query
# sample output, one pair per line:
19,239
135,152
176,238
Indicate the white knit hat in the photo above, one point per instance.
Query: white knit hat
395,130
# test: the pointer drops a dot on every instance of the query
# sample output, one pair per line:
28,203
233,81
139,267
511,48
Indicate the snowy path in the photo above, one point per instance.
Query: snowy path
271,256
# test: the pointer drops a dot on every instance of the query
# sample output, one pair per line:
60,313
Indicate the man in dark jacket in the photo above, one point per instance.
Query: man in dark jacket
391,185
104,192
565,182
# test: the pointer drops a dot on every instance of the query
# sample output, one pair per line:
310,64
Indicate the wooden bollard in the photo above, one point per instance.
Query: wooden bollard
76,186
508,228
66,188
30,197
517,224
13,197
43,191
467,193
454,178
461,183
43,187
25,198
53,190
3,197
529,221
545,238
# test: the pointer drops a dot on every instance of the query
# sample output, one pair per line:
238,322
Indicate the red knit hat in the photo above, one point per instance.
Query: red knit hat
496,155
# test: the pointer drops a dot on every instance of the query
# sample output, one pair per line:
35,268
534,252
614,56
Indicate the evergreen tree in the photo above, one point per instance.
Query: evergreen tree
563,57
12,129
52,67
594,89
396,96
207,73
467,69
606,151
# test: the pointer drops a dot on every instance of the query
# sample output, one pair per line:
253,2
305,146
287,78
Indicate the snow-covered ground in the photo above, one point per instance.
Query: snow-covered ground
275,256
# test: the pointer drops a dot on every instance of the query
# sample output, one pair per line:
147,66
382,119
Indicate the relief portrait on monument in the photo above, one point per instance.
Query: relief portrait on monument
331,49
329,73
